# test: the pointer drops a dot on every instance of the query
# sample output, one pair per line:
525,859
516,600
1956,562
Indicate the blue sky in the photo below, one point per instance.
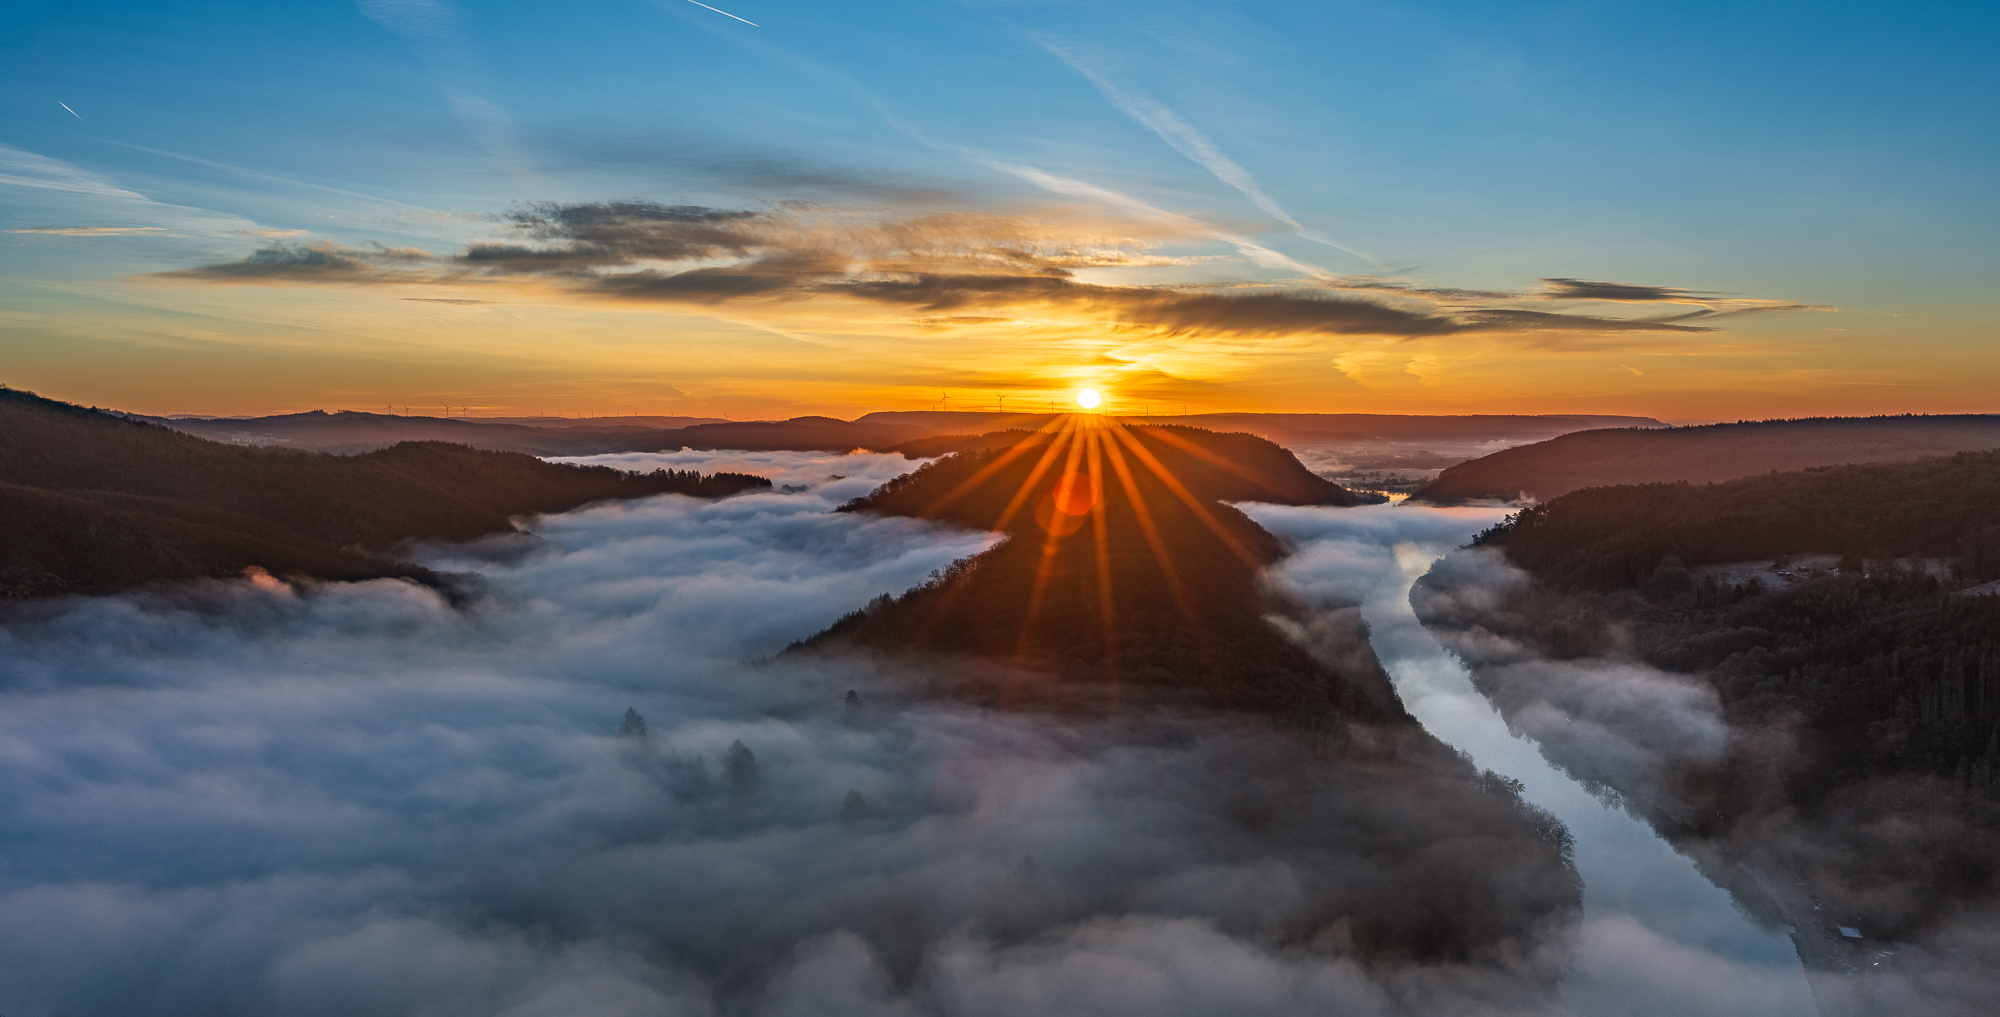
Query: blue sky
1827,156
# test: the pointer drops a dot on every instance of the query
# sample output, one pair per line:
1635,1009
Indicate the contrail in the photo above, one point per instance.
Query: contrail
1173,130
72,112
726,14
1061,185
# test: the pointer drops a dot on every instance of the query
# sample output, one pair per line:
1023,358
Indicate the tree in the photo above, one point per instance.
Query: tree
739,764
634,725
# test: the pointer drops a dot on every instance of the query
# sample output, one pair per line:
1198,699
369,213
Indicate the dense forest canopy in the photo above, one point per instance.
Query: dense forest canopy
1615,537
1864,699
1123,569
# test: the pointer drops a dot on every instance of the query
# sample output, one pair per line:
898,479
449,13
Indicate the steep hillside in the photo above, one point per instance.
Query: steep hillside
952,444
1123,567
1609,538
1861,701
93,502
1712,452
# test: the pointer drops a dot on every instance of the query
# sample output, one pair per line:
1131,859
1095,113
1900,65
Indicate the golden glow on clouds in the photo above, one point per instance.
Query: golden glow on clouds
638,308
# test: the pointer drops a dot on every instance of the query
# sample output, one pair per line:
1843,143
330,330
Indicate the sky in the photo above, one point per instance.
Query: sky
1692,212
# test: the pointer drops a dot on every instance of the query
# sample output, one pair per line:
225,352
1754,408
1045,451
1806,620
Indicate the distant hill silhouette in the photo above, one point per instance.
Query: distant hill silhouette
1122,567
347,432
808,434
1611,538
1295,428
92,502
615,422
1712,452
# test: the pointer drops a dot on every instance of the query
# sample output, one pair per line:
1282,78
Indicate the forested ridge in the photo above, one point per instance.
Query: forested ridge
1609,538
1178,609
1705,453
92,502
1857,694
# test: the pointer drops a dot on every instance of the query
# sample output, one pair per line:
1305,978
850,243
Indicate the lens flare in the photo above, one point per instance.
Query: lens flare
1089,399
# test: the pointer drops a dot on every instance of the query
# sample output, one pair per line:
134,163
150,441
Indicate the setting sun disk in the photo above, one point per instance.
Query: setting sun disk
1089,399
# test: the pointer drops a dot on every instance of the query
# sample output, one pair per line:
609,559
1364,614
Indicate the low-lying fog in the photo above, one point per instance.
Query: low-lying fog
252,799
1658,937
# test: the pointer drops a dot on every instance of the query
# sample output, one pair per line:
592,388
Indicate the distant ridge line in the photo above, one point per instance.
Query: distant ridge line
1706,453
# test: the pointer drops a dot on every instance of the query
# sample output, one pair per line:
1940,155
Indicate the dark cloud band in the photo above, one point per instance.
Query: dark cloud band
959,265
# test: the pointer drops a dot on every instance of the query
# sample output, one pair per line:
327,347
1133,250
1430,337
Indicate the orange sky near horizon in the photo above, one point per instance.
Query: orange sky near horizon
150,347
1180,205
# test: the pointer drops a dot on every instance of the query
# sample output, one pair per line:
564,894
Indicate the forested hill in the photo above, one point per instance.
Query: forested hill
1126,588
812,434
1289,429
1123,569
1610,538
92,502
347,432
1222,466
1713,452
952,444
1863,699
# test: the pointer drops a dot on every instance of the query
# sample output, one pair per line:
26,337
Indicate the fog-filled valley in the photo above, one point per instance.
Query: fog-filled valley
993,509
579,774
233,796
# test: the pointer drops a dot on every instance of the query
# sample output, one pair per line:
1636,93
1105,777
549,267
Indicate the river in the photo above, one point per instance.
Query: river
1657,937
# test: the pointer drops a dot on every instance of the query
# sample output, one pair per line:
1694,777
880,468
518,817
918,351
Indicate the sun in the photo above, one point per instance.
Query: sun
1089,398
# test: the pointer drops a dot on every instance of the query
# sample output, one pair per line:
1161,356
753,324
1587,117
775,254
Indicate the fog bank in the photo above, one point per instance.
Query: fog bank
1657,937
252,797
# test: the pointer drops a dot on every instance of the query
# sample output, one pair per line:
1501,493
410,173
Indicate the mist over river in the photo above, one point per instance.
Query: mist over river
1658,937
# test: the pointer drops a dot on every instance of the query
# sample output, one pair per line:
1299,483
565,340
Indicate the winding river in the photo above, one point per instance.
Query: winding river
1657,937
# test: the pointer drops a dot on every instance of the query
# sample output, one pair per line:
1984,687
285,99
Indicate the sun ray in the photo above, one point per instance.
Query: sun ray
1051,543
1062,440
1060,434
1067,485
1173,483
1100,533
1151,530
972,483
1203,454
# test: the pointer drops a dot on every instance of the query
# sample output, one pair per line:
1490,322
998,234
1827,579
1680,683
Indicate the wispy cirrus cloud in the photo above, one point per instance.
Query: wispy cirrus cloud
432,30
1184,138
100,231
65,194
22,168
